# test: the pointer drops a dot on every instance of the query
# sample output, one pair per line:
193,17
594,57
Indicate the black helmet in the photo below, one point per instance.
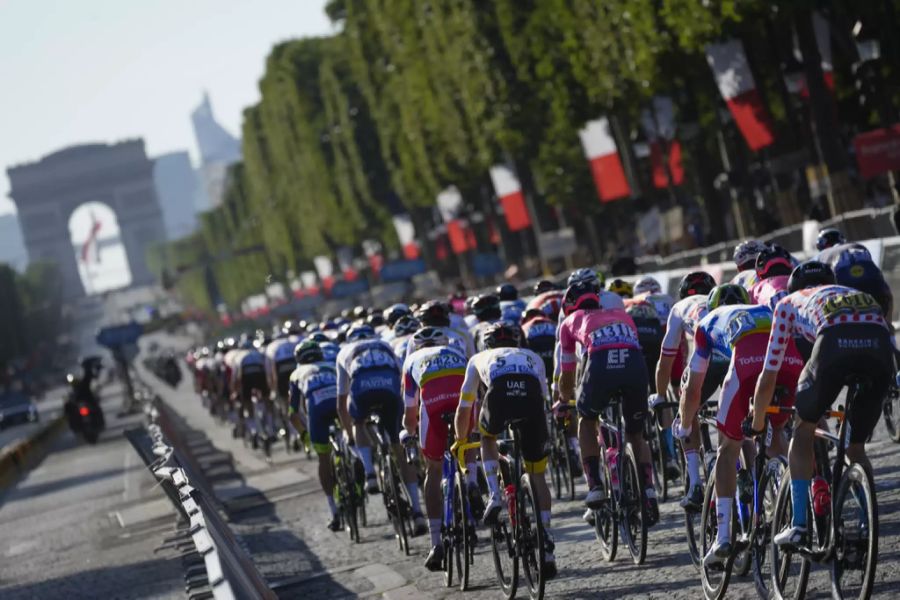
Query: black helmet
307,352
318,336
829,237
507,291
360,312
375,320
434,314
694,283
406,325
487,307
544,285
773,261
812,273
729,293
502,335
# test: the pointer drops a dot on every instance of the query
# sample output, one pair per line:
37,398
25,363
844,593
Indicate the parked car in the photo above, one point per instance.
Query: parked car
15,408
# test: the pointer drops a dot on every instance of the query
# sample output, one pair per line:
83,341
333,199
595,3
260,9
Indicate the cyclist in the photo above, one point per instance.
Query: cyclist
486,308
404,329
437,314
391,315
773,269
547,297
368,381
539,335
248,376
853,267
647,288
850,337
614,364
683,318
516,389
511,305
432,377
622,288
313,390
736,329
745,255
280,364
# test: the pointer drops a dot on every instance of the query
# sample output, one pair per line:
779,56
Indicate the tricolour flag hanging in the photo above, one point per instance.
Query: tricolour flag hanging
325,269
822,30
373,251
665,150
509,191
345,261
600,149
406,233
735,81
449,203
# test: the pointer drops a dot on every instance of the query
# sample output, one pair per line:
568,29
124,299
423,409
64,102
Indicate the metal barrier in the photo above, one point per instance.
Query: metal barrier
231,573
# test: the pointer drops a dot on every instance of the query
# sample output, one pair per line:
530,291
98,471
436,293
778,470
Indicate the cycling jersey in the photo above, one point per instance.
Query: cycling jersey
280,363
853,267
330,350
547,302
683,317
595,330
369,372
608,301
399,345
433,376
457,339
489,365
769,291
511,311
540,337
661,302
461,333
476,330
746,279
844,255
807,313
250,373
316,385
720,330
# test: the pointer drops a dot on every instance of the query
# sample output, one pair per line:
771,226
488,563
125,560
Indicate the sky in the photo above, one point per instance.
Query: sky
77,71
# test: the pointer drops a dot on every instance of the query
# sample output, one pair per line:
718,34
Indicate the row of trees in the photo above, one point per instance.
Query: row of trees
30,313
410,97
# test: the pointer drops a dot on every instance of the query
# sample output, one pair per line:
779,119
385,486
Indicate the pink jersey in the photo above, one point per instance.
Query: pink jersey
769,291
595,330
808,312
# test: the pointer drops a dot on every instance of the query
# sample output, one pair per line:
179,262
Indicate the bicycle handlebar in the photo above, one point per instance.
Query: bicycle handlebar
461,453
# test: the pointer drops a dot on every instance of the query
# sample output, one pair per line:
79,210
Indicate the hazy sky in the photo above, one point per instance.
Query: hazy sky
74,71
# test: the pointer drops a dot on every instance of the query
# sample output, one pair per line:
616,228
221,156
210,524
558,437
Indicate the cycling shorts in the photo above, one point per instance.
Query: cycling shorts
439,396
747,362
517,396
283,372
253,380
840,352
386,403
616,371
320,417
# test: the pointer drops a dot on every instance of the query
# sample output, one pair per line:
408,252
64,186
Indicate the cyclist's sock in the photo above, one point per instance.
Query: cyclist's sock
692,458
472,473
331,504
434,527
413,489
591,466
799,501
669,441
545,518
490,473
365,455
723,518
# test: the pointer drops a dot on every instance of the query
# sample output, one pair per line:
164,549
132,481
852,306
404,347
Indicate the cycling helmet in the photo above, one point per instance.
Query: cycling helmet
544,285
330,350
318,336
773,261
696,282
723,295
434,314
580,276
812,273
308,352
392,313
502,335
829,237
406,325
360,312
375,320
487,307
429,336
580,297
745,254
532,313
507,291
360,332
292,327
648,285
621,287
642,310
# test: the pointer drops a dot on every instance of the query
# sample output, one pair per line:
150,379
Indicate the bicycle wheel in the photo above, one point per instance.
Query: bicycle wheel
531,538
568,466
856,535
789,569
465,531
767,491
633,515
891,410
606,525
714,578
448,535
556,459
393,502
506,561
653,434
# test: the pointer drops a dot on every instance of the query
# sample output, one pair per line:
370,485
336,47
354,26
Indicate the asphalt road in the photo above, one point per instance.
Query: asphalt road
88,522
279,513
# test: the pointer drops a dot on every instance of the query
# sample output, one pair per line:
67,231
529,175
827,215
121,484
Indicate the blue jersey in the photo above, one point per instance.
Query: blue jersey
719,331
315,383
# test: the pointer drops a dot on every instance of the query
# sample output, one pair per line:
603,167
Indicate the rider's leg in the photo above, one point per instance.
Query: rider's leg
410,477
726,484
802,465
490,460
326,475
590,450
364,447
433,475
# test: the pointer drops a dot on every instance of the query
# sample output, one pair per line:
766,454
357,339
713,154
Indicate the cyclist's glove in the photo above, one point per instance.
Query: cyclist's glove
747,428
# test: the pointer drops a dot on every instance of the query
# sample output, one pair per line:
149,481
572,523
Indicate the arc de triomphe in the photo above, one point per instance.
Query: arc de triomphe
48,191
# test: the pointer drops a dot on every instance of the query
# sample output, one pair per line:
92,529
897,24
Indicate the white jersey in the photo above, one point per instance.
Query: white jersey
683,318
488,365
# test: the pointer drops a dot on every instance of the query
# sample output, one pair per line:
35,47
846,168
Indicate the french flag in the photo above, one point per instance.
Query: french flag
735,82
449,203
325,269
406,233
665,150
509,191
606,167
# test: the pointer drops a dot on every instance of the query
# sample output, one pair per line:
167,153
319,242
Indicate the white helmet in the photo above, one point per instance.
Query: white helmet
648,285
746,252
580,276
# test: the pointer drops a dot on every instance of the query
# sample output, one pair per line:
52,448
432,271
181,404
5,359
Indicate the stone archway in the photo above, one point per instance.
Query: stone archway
48,191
